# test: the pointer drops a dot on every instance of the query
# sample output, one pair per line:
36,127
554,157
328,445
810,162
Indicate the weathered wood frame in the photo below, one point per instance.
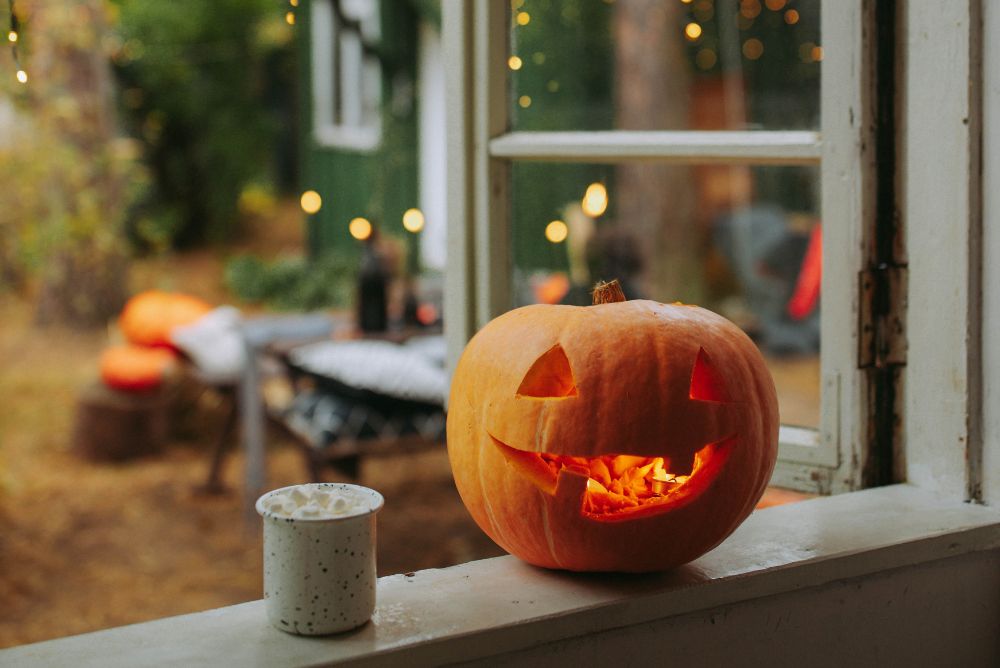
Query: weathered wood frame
481,149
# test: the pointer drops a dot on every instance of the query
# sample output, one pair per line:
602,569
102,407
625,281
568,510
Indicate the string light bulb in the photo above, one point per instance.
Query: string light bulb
556,231
753,49
290,18
514,63
13,36
360,228
413,220
692,31
595,200
706,59
311,202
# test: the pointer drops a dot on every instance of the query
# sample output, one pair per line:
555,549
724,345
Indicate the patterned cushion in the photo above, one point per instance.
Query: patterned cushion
396,371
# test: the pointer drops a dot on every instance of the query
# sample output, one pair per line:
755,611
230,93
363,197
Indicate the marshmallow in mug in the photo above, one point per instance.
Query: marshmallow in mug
305,502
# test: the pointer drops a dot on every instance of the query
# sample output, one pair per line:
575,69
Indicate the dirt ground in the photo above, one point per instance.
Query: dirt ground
86,546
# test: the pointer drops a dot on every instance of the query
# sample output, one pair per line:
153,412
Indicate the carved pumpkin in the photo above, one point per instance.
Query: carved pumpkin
625,436
136,368
149,316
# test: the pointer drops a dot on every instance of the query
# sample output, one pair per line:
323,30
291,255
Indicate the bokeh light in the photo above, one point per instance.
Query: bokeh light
753,48
595,200
311,201
556,231
360,228
413,220
706,59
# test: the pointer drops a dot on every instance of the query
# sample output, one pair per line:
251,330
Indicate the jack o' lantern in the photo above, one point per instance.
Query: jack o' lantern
625,436
136,368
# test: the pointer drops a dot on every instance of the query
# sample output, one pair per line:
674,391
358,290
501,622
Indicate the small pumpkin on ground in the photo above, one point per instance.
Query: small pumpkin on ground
149,316
136,368
624,436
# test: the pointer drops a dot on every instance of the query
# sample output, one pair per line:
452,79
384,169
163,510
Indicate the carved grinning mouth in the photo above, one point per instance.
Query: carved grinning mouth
619,487
615,487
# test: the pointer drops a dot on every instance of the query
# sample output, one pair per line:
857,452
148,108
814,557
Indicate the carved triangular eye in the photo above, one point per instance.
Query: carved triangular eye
706,383
550,377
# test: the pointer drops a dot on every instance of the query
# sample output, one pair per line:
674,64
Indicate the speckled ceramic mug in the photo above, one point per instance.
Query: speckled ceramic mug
319,574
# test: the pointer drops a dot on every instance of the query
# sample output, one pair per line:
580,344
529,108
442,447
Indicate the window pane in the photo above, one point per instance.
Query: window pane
664,64
742,241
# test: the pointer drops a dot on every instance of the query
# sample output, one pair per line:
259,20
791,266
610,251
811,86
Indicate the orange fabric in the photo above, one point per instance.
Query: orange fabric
807,286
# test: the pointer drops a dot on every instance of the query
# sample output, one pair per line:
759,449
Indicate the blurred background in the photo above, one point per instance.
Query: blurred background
273,158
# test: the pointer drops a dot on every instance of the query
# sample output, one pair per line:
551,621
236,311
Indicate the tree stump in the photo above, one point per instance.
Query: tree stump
115,426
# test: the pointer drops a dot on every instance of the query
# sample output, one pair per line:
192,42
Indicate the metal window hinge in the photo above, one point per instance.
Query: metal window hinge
882,308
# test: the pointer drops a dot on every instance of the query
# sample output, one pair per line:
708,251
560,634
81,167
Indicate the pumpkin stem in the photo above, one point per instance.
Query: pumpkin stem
606,293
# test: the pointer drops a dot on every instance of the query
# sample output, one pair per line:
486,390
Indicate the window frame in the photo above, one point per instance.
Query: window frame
481,149
359,133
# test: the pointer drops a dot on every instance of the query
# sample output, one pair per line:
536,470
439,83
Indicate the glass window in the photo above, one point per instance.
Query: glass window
712,171
347,78
664,65
742,241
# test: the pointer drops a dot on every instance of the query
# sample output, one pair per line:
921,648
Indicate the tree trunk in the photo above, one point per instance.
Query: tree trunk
84,281
656,202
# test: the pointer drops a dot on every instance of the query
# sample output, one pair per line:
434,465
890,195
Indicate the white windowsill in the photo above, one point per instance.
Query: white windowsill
362,139
500,605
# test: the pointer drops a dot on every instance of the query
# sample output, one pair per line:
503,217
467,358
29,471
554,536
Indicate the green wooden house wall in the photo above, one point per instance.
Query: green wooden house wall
378,185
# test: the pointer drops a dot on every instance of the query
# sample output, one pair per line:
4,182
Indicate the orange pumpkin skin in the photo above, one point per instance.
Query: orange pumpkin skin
148,317
136,368
628,390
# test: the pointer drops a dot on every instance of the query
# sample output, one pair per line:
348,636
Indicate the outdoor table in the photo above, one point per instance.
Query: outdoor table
257,334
